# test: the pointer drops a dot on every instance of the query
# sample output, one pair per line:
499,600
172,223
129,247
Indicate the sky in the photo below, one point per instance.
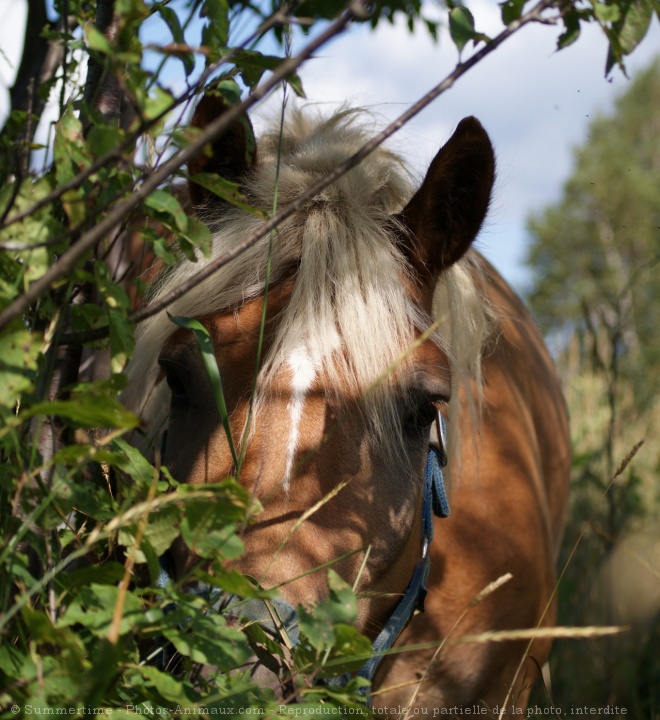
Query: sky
535,103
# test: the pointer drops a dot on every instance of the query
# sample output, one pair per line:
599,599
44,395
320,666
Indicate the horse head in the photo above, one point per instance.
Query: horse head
332,340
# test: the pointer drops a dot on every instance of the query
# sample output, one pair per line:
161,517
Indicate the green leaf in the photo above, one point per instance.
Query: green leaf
349,696
258,636
172,21
88,409
628,31
152,560
571,33
230,90
198,235
163,528
295,83
19,268
432,27
205,638
102,140
216,32
18,566
204,536
109,573
342,606
90,498
19,351
635,25
167,686
73,202
122,341
348,651
164,202
75,454
252,65
606,13
39,625
325,626
134,464
227,191
210,362
158,103
70,150
97,41
94,607
14,663
232,499
132,9
511,10
234,582
317,630
461,27
161,245
220,543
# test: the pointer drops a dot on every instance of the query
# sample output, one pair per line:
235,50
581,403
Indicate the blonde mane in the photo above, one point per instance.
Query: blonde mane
349,308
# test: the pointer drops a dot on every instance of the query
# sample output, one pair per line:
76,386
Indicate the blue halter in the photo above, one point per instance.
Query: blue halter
279,618
434,503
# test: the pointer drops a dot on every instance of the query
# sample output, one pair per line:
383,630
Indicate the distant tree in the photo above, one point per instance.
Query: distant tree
595,257
595,253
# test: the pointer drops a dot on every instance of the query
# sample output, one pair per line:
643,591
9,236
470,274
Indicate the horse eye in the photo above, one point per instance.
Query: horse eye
421,417
175,384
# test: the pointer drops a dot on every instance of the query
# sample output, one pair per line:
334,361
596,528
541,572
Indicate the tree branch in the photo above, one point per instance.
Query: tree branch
89,239
277,17
534,15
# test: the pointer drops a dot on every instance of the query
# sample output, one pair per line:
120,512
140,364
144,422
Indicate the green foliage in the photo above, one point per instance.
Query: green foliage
461,27
602,240
624,23
595,257
330,644
74,521
209,359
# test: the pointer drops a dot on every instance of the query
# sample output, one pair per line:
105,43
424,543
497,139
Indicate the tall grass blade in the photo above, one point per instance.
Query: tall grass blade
205,345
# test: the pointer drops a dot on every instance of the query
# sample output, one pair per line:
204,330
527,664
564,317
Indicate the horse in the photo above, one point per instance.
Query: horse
382,326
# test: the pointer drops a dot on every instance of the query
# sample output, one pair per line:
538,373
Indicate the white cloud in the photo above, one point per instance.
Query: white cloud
535,103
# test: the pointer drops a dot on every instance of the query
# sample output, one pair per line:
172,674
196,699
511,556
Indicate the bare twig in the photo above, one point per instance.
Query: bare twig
534,15
215,129
210,268
89,239
129,565
116,154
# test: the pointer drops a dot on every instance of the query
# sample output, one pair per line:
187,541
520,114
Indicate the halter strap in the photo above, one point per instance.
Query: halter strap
434,503
279,618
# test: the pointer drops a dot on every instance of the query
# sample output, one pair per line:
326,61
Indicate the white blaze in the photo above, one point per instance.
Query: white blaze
303,371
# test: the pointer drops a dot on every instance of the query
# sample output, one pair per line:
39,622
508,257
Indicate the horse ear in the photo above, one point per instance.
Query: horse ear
445,214
232,155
